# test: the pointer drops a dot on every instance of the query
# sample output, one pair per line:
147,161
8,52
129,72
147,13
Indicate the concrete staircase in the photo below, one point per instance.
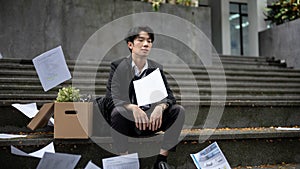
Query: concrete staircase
261,94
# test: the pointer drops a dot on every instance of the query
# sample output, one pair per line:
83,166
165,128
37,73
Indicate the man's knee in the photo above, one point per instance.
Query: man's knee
117,114
180,111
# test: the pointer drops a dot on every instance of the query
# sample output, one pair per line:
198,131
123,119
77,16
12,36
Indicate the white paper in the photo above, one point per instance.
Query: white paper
9,136
129,161
51,122
39,154
58,161
1,56
30,110
51,68
150,89
91,165
288,128
210,158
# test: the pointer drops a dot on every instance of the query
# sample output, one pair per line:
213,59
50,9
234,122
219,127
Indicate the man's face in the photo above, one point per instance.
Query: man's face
141,45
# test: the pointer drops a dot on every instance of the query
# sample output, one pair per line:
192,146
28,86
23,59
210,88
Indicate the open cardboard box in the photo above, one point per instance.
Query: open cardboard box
42,117
72,120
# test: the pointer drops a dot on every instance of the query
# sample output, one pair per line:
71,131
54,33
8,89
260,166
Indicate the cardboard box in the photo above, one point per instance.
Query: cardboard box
73,120
42,117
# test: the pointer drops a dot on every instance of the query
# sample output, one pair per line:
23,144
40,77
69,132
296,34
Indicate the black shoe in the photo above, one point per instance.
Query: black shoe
162,165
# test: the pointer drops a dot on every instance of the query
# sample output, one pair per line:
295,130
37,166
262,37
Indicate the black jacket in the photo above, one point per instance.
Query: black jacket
120,80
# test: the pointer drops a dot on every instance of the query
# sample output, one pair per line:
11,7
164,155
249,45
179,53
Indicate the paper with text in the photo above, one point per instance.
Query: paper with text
129,161
210,158
58,161
91,165
51,68
150,89
30,110
39,154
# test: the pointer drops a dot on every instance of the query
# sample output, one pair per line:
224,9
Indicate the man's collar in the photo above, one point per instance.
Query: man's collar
136,70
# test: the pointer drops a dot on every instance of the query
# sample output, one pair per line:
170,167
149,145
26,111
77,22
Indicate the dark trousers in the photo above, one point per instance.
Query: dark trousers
123,125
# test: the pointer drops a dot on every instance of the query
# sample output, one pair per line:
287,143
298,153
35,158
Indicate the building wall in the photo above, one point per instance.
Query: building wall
221,26
282,42
31,27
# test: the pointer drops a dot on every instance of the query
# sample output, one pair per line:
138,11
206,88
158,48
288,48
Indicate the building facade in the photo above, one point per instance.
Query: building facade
236,24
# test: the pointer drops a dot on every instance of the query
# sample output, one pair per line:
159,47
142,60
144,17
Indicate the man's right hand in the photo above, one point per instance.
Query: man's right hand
140,117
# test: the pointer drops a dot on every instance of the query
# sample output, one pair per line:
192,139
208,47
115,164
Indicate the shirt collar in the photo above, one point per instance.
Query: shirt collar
136,70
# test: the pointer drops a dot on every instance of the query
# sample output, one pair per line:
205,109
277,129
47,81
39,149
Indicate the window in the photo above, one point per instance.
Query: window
239,24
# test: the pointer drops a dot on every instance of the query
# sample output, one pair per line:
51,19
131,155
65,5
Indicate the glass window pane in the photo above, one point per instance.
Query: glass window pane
235,37
245,25
244,9
234,8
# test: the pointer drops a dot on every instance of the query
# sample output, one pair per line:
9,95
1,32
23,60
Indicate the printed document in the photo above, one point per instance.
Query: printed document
150,89
91,165
58,161
39,154
210,158
51,68
129,161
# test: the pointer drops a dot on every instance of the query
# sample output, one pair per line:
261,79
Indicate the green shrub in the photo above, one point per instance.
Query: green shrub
68,94
282,11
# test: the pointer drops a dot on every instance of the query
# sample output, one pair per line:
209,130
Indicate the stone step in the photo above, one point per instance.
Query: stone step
7,64
217,57
270,166
102,82
184,88
225,60
239,97
234,114
174,71
232,101
105,66
227,65
258,146
179,78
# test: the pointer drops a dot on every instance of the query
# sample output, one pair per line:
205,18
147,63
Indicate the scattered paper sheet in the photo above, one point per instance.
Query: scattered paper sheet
210,158
129,161
51,122
39,154
51,68
288,128
150,89
91,165
58,161
30,110
9,136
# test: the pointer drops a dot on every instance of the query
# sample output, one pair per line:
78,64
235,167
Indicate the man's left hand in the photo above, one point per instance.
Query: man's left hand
156,118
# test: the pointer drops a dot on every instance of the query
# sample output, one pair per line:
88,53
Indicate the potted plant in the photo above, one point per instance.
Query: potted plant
282,11
68,94
72,117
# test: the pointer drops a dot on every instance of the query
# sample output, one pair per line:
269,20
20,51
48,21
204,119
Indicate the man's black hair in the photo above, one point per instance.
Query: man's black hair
134,32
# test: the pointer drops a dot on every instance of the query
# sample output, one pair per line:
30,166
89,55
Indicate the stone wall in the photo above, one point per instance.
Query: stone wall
31,27
282,41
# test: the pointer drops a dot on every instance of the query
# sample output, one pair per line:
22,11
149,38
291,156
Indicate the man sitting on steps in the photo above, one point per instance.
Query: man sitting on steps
127,118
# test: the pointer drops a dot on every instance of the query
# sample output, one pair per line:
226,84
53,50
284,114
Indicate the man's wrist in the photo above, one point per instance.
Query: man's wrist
131,107
164,106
